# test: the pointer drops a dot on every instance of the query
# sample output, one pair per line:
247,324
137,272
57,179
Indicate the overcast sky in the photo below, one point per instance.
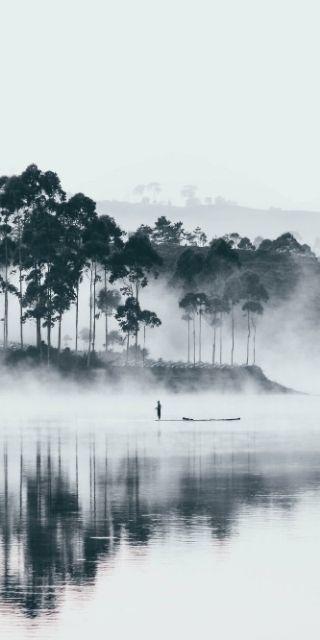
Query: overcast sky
110,93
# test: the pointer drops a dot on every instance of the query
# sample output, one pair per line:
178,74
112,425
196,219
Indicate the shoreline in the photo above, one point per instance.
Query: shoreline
176,377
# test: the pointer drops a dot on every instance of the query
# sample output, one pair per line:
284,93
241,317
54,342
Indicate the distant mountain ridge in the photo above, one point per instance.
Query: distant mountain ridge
218,218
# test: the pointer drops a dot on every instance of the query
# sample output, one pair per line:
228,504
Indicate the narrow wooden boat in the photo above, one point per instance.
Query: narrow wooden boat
210,419
198,420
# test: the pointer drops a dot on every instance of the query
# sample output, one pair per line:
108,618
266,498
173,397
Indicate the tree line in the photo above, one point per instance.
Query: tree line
218,286
224,288
50,242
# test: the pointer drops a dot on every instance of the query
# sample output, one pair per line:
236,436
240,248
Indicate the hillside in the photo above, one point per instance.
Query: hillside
219,218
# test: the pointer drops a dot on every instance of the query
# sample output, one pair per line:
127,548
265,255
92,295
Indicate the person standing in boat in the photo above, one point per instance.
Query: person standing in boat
158,409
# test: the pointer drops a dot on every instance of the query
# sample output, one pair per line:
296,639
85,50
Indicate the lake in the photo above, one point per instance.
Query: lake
115,525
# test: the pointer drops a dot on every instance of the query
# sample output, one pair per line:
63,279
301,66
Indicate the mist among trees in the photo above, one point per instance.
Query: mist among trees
51,243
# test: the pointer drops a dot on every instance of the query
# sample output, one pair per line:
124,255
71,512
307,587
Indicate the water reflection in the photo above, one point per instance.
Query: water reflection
67,504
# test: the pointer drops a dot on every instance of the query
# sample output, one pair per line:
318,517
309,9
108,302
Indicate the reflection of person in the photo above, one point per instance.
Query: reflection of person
158,409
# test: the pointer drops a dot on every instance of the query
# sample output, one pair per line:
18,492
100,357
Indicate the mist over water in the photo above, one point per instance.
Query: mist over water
111,520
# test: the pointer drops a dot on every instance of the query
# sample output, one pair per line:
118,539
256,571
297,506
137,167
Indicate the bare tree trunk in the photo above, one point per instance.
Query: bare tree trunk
77,316
106,311
94,307
194,340
90,317
136,331
48,342
214,342
220,339
248,336
213,346
106,332
49,325
144,344
38,318
232,335
128,344
21,308
6,319
6,297
254,340
59,333
38,330
200,334
188,340
20,291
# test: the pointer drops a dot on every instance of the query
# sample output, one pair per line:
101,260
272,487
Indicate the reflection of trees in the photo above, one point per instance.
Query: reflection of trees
44,528
51,536
134,509
218,497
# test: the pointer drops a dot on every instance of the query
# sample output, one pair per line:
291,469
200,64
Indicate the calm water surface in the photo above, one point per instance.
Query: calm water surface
112,525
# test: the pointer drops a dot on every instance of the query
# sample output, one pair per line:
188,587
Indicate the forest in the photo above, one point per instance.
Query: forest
51,243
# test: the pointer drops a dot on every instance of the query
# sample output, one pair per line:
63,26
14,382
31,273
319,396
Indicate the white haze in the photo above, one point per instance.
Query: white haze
50,402
287,344
113,93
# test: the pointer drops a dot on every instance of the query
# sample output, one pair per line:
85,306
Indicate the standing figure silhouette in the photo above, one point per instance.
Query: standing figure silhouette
158,410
